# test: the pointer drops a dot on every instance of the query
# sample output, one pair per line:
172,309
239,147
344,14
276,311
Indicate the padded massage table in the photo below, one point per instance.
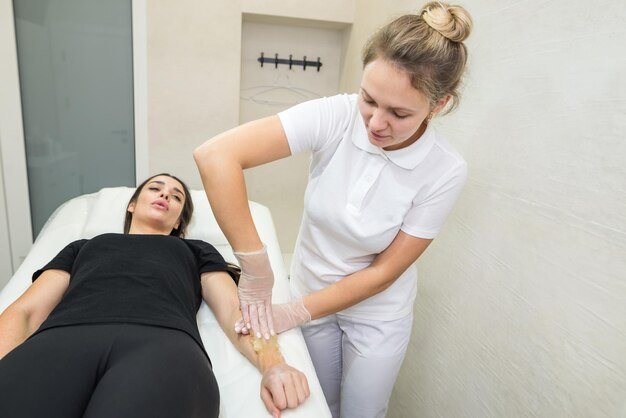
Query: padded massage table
239,382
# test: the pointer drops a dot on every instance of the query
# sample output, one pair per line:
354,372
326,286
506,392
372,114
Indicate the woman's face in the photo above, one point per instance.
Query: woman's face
159,205
392,109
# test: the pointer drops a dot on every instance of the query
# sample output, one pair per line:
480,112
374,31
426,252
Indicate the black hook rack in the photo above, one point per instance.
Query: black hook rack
291,62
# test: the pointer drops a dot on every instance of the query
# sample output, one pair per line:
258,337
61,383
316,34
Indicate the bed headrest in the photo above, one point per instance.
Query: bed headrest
107,208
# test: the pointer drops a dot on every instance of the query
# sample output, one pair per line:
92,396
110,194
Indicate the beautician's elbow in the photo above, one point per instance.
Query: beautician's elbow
205,158
385,285
202,153
385,279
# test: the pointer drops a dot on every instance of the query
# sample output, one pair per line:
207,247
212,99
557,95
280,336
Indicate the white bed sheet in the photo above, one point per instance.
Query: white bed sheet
92,214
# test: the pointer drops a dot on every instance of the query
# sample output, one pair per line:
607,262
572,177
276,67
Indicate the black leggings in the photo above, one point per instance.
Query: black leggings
108,370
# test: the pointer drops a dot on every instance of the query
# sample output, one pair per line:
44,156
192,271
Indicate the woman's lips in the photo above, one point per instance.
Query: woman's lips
378,137
161,205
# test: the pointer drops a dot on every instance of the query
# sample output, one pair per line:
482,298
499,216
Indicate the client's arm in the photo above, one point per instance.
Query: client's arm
24,316
282,385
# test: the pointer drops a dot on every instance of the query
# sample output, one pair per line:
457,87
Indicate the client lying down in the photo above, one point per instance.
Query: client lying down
108,327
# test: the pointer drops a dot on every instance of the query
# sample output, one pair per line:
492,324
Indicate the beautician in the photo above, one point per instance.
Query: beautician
381,183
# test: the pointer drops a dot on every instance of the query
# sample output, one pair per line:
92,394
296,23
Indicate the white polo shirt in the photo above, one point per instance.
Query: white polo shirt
360,196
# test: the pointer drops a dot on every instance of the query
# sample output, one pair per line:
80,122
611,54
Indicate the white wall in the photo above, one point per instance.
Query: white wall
194,60
330,11
5,249
521,307
194,78
267,90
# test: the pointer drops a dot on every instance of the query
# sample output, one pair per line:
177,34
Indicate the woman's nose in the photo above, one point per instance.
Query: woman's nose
378,121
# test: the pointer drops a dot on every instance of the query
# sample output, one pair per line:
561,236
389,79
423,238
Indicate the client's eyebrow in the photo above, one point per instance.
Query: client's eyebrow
162,183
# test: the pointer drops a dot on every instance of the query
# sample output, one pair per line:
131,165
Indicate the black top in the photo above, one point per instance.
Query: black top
142,279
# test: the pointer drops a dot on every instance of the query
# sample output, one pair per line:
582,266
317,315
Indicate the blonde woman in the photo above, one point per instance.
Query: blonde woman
381,184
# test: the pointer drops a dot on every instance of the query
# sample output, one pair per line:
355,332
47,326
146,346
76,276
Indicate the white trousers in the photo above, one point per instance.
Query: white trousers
357,361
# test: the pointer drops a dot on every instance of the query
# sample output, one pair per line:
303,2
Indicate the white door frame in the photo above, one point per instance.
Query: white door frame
13,172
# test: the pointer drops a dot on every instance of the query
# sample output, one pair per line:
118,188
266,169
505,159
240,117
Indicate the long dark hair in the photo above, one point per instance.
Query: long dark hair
185,215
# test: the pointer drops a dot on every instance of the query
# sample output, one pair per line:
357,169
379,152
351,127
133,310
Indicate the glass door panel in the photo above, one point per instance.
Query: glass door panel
76,67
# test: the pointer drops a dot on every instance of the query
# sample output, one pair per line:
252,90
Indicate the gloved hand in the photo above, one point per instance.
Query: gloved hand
286,316
255,291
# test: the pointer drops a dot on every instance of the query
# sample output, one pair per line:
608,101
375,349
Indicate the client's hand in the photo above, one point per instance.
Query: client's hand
283,387
286,316
255,291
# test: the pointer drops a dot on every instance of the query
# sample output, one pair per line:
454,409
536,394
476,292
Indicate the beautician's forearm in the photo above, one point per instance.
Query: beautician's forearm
224,184
346,292
221,162
385,269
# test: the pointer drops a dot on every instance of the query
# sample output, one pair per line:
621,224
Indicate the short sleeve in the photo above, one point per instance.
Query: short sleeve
315,124
426,218
209,259
64,260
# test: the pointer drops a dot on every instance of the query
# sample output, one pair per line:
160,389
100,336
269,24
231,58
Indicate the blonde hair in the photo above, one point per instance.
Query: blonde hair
428,46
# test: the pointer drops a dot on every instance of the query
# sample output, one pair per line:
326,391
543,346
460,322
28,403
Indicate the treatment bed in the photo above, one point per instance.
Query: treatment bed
239,382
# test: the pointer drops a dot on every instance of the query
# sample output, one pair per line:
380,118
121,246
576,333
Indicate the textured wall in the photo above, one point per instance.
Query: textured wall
521,309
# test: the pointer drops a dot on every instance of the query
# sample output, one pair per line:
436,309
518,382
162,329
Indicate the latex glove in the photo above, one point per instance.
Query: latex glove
286,316
255,291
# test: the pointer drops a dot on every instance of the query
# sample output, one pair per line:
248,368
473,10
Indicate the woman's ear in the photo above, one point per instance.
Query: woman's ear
131,207
441,103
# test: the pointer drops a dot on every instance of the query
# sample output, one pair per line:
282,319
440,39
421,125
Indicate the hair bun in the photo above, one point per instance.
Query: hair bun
452,22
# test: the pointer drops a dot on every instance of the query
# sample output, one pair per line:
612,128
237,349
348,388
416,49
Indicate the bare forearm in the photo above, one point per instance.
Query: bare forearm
347,292
14,330
221,162
282,386
27,313
267,352
378,276
261,353
224,184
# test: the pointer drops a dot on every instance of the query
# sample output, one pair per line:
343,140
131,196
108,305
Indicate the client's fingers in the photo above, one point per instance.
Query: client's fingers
266,396
302,388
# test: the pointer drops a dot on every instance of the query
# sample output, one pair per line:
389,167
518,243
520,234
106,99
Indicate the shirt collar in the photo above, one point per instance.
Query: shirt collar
407,158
